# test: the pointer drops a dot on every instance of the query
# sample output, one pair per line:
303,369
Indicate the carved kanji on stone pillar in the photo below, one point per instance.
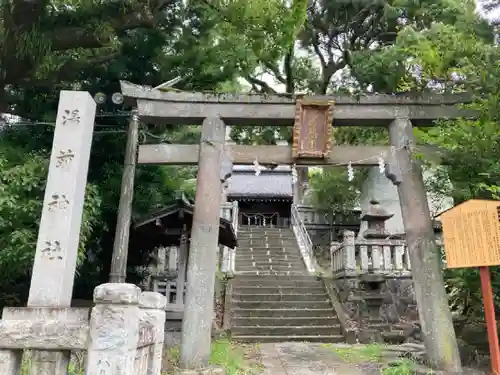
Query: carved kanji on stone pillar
312,131
376,218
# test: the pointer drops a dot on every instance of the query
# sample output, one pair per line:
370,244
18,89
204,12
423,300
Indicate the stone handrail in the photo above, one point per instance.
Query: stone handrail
376,256
311,215
229,211
303,240
232,252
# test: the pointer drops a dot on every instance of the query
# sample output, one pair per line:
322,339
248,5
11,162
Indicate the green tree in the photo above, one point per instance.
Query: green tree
454,54
22,188
91,46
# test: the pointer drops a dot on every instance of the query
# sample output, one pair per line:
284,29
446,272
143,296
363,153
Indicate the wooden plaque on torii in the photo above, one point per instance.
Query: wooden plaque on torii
312,130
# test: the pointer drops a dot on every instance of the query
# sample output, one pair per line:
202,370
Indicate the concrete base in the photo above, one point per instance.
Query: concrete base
205,371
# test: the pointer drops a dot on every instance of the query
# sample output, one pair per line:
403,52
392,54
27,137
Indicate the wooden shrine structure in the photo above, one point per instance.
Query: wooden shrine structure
168,227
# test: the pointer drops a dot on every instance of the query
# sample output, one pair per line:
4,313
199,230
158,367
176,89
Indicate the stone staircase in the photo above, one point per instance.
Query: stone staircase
273,297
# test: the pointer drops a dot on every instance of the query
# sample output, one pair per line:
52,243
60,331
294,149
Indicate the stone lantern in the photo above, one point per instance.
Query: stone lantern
376,218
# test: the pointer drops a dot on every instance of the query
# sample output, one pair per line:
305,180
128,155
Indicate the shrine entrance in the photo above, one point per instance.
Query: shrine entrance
264,199
312,120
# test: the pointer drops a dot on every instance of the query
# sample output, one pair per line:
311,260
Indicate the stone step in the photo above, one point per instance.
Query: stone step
271,273
283,264
266,253
282,304
266,244
268,249
298,281
280,297
270,267
284,321
270,260
304,278
286,330
244,241
249,266
252,289
264,339
274,265
268,233
283,312
265,232
260,228
288,254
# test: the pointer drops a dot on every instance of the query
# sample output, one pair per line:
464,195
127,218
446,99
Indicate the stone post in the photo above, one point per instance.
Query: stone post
118,273
54,267
435,317
202,263
349,254
59,232
114,330
153,307
161,260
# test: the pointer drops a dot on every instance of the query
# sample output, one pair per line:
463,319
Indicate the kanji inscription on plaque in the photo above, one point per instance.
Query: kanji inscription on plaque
312,131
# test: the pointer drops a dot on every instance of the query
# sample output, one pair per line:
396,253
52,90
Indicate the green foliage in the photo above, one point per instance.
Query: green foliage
332,190
22,185
231,356
76,364
401,367
449,57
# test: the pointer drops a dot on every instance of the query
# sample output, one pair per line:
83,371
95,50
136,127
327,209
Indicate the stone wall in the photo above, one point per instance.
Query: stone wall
385,312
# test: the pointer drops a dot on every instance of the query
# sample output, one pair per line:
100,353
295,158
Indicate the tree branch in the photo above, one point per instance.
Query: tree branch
288,67
265,87
319,54
276,72
67,71
81,37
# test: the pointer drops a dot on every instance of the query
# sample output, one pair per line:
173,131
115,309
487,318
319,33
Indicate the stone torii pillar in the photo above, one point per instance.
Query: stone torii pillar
435,316
202,263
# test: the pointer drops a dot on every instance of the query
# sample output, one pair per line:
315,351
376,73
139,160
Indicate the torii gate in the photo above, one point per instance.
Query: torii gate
313,117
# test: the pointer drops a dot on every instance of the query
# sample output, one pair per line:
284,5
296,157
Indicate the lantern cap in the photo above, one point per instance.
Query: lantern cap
376,212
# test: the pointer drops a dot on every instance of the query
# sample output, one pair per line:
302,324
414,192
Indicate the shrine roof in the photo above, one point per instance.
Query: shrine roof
163,227
275,183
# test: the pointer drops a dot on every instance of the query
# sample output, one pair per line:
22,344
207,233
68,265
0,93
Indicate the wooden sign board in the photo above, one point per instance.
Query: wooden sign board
312,131
471,234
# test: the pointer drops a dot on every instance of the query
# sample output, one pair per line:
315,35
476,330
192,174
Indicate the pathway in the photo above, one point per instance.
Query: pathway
300,358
